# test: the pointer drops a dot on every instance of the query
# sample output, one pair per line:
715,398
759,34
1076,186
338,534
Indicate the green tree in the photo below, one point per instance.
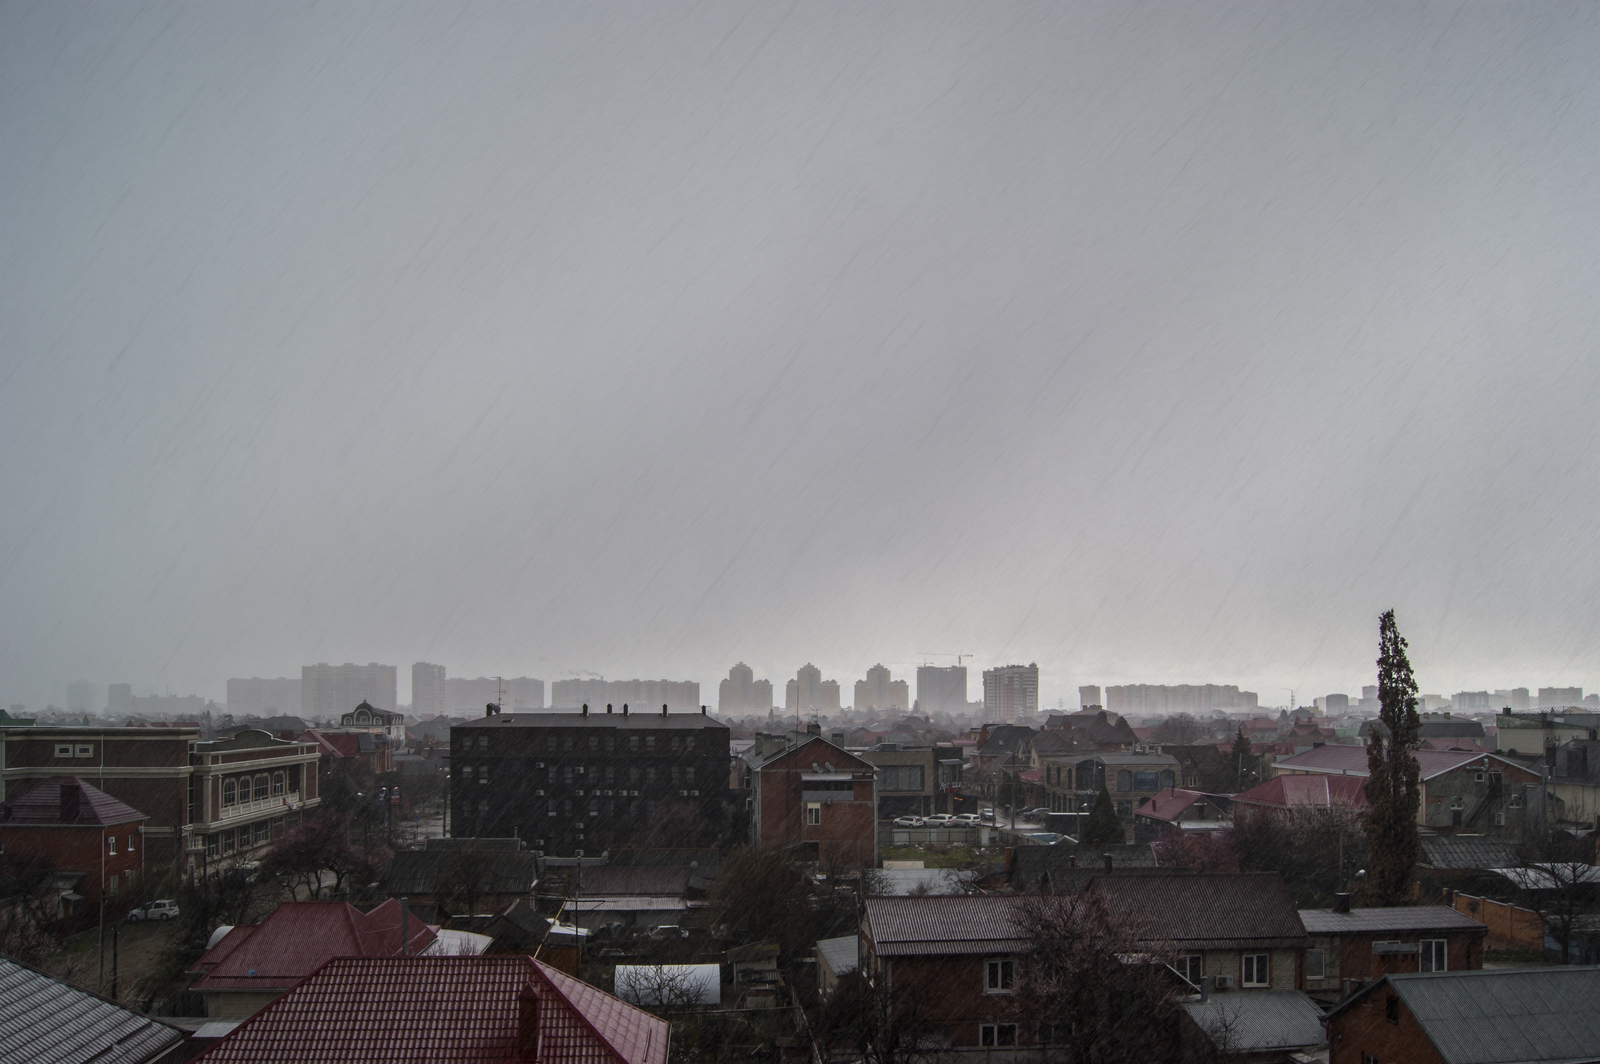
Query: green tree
1102,827
1394,789
1242,768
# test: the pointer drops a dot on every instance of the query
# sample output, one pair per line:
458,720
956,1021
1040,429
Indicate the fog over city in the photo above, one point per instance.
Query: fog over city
1155,344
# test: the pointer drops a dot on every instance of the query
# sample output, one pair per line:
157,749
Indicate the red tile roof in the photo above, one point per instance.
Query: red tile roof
324,747
1352,760
401,1009
298,937
41,804
1169,803
1321,790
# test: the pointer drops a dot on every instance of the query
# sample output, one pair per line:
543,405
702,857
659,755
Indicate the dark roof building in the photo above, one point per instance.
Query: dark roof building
1281,795
1207,910
1266,1026
1497,1016
444,1009
73,827
46,1021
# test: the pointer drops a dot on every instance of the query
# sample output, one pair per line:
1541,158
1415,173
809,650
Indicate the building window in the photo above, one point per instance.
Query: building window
63,749
111,885
1391,1009
999,976
1190,967
227,842
230,792
263,832
483,774
611,775
649,744
111,845
277,784
1124,780
594,744
213,845
996,1035
1125,809
633,744
1049,1034
85,750
1316,964
130,842
813,813
261,786
688,744
650,774
674,775
674,744
689,772
1431,956
1255,969
633,776
483,807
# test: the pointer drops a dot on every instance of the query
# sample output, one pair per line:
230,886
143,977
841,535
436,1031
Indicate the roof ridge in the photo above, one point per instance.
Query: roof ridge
544,970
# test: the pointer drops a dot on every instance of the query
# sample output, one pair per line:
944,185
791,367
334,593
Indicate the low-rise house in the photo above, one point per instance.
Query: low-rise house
634,896
449,1009
1462,791
1177,810
818,797
76,829
247,966
1262,1028
47,1021
1350,948
1495,1016
1575,778
1281,795
1132,779
463,877
836,958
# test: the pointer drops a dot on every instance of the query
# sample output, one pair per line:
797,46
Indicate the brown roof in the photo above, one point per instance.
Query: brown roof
1207,910
42,804
942,925
299,936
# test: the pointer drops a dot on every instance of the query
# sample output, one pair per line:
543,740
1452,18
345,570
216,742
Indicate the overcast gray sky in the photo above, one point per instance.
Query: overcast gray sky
1160,343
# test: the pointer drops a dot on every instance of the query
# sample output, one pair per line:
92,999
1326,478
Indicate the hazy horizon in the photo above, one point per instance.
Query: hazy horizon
1150,343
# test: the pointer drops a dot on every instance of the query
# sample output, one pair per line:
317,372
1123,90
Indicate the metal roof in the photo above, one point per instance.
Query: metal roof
297,937
943,924
1466,852
41,805
841,955
403,1009
1207,910
46,1021
1352,761
1259,1020
1399,919
641,718
1502,1015
1298,789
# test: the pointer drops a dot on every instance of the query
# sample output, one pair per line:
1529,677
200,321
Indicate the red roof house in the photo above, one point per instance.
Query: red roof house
73,827
399,1009
250,965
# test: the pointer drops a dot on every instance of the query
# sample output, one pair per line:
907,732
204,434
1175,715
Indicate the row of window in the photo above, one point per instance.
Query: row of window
566,744
128,876
74,750
236,789
677,774
628,808
111,845
223,843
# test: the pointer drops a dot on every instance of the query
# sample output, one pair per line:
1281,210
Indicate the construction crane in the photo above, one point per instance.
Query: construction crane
958,657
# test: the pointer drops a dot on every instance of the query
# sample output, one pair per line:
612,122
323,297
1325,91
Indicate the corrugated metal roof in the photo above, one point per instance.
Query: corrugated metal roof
1259,1020
46,1021
943,924
1398,919
297,937
1352,761
1466,852
1207,910
41,804
1503,1015
404,1009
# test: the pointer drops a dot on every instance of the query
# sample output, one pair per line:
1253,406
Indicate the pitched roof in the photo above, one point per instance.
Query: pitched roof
943,924
47,1021
1169,803
298,937
1260,1020
1398,919
1207,910
1352,760
401,1009
501,871
1502,1015
41,804
841,955
1320,790
1463,852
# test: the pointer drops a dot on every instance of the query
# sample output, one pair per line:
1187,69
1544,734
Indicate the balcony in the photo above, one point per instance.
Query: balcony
259,807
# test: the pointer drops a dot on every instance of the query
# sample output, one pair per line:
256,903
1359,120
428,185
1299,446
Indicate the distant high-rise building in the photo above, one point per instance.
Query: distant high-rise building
1010,694
1472,702
427,690
514,694
808,690
83,697
880,691
1559,697
1160,700
742,691
119,699
264,697
1089,696
1516,698
1335,705
640,695
942,689
330,691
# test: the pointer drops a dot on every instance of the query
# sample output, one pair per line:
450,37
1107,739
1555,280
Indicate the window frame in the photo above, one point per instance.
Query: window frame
1437,952
1192,967
111,845
989,1035
63,749
1322,964
83,750
230,792
813,814
1258,965
1000,975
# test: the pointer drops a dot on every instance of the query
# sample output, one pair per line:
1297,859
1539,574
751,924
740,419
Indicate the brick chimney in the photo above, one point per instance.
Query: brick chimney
527,1049
71,799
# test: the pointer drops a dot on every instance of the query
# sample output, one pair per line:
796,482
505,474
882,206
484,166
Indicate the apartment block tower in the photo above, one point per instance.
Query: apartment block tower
1010,694
427,690
742,691
330,691
880,691
942,689
808,690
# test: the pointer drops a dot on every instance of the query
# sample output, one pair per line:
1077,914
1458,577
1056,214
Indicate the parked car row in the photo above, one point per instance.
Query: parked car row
940,820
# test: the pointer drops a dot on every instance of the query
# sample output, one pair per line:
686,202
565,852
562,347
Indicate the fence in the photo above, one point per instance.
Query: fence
1510,926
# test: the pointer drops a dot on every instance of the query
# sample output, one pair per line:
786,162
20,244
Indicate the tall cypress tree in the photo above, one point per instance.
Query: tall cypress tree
1102,827
1394,788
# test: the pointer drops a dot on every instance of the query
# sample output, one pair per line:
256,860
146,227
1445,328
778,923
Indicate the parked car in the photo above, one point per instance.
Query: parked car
1038,812
939,820
987,814
968,819
164,909
908,821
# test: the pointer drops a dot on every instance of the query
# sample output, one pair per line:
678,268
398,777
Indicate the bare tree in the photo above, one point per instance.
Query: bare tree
28,916
1106,994
661,988
876,1024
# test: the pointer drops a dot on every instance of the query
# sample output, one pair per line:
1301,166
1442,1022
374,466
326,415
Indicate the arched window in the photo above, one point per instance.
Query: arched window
261,786
1167,779
230,792
1124,780
277,784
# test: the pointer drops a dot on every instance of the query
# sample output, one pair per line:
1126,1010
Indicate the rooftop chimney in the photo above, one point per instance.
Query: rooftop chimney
1341,903
528,1024
703,711
586,709
608,707
663,709
1106,857
624,709
71,797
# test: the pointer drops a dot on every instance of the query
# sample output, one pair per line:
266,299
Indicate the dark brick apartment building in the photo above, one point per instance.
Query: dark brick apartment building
581,783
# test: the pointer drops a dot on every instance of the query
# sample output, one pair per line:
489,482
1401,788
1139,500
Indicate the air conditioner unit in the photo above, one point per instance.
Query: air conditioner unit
539,764
683,794
538,794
